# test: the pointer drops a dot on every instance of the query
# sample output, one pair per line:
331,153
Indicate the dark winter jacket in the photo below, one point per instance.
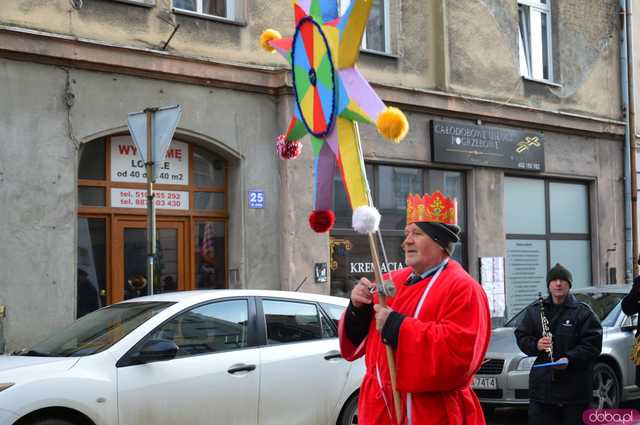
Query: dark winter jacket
577,335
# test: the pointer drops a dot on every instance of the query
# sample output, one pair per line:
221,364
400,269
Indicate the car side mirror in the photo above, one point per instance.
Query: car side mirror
155,350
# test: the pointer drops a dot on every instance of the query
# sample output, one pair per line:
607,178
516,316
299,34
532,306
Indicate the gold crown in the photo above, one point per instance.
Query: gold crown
436,208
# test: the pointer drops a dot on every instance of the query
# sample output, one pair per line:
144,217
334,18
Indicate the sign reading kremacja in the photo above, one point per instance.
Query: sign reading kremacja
486,146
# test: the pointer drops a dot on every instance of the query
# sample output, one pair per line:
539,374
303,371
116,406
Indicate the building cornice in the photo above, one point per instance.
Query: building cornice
63,50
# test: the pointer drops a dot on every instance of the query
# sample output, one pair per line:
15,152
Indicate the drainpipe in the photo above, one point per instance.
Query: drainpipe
632,136
624,91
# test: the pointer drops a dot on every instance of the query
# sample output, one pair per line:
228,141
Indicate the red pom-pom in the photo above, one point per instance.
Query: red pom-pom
288,149
322,220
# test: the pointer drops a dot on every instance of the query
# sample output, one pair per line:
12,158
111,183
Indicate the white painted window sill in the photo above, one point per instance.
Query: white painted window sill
208,17
144,3
546,82
379,53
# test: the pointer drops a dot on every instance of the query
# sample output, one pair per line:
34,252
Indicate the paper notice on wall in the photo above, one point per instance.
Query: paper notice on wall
492,280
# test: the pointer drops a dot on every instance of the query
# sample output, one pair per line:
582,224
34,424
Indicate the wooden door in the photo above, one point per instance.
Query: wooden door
130,258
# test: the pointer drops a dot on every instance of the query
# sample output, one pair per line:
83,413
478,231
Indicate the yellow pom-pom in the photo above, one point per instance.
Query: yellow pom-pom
266,37
393,124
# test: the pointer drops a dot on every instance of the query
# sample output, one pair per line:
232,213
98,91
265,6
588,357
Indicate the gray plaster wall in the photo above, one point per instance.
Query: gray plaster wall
594,161
37,203
466,47
48,113
483,53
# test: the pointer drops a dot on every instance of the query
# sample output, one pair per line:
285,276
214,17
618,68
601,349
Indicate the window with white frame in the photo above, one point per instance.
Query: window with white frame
534,40
546,222
219,8
376,36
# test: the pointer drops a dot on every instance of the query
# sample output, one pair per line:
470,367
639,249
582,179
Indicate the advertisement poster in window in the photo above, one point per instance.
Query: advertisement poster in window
127,166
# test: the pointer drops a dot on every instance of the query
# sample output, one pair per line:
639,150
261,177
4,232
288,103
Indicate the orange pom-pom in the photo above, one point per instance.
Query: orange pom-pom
392,124
266,37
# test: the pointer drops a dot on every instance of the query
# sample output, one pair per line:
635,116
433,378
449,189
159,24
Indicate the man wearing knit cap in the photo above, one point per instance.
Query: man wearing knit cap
559,394
438,324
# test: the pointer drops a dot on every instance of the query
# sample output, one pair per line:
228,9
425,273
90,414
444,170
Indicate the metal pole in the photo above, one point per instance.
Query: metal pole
151,208
624,80
632,137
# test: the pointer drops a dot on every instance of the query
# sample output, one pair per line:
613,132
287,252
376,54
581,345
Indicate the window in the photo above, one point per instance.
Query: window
91,279
350,255
334,311
289,321
546,222
100,330
210,263
191,201
211,328
534,39
219,8
376,36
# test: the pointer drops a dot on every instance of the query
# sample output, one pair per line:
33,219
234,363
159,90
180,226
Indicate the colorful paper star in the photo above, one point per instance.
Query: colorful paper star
331,97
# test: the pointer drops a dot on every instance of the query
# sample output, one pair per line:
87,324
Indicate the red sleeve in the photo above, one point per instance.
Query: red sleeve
347,349
443,355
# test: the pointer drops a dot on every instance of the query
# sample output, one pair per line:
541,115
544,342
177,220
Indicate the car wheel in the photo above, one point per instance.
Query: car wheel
606,387
349,414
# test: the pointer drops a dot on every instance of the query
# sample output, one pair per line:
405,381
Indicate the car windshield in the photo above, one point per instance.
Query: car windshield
97,331
603,305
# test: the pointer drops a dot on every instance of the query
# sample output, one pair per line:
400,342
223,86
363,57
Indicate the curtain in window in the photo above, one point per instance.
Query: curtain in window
375,32
215,7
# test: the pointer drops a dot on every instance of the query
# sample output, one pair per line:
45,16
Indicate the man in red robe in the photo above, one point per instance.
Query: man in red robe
438,324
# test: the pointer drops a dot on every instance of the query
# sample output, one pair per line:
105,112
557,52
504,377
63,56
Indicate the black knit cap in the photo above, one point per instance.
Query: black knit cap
445,235
559,272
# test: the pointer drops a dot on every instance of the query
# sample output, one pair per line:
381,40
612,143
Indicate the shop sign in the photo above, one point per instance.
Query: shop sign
135,198
486,146
367,267
128,166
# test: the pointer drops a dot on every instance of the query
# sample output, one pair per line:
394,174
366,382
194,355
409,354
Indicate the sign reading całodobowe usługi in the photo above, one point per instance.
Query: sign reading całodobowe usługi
486,146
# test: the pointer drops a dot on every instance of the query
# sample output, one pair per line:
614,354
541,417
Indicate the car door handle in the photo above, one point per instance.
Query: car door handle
333,354
241,367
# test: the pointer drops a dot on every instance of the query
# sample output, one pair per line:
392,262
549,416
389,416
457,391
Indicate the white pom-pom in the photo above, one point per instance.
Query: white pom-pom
366,219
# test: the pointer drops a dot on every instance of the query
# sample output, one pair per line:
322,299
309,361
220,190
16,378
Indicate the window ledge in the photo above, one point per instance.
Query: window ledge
379,53
144,3
208,17
546,82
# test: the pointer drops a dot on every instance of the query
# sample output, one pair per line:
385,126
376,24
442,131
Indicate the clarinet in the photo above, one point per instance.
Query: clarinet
545,326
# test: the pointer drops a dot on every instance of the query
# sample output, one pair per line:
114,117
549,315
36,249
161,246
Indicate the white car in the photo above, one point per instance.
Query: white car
202,357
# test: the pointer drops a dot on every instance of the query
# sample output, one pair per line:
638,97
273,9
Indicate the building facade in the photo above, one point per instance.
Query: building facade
514,108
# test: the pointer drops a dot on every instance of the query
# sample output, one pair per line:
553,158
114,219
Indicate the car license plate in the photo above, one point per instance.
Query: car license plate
484,383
